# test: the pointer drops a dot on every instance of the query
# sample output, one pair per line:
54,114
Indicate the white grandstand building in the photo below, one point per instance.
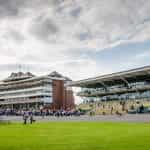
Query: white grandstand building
126,85
25,90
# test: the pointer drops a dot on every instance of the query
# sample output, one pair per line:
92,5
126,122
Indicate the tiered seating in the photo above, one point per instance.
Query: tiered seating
113,107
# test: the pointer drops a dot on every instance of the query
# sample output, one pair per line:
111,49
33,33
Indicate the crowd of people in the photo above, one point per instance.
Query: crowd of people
116,107
29,115
43,112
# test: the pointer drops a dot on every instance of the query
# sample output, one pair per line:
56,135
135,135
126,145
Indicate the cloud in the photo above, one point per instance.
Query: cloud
14,35
9,8
44,28
91,24
46,33
144,55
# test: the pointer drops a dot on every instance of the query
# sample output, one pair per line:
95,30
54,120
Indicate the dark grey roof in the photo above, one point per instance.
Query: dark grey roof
55,74
19,76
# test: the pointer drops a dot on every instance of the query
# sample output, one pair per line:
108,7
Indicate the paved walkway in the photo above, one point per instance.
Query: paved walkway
107,118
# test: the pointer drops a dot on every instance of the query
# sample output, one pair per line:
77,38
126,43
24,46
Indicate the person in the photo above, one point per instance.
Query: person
112,110
31,118
25,117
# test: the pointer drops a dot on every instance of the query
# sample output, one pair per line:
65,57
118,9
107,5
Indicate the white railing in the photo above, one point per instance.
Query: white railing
26,95
27,90
112,90
16,101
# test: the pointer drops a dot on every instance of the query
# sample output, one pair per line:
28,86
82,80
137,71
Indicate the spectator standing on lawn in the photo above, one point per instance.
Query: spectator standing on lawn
31,117
25,117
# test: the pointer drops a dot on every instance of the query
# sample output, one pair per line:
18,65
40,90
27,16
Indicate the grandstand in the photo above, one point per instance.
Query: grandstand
22,91
117,92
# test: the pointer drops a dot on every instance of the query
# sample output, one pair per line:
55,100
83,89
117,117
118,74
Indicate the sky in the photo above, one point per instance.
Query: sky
78,38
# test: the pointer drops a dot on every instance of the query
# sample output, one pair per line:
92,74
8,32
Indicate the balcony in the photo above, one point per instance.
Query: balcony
35,94
27,90
26,100
113,90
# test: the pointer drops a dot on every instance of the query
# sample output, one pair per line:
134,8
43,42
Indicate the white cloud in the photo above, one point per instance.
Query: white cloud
143,55
48,33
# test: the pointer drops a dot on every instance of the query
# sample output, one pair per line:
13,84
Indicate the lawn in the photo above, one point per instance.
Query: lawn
75,136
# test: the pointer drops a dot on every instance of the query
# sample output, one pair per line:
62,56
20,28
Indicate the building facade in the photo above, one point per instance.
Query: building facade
25,90
127,85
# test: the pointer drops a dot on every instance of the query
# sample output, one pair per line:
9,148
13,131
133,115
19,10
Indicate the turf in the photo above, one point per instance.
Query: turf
75,136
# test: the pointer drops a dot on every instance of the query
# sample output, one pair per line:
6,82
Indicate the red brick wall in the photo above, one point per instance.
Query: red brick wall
62,98
58,98
69,99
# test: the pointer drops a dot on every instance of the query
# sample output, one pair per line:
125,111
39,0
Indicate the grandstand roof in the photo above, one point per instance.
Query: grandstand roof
119,77
21,77
18,76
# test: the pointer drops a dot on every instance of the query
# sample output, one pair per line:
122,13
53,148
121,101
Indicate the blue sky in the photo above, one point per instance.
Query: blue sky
78,38
125,56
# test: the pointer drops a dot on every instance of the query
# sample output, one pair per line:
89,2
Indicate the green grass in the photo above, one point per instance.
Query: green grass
75,136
